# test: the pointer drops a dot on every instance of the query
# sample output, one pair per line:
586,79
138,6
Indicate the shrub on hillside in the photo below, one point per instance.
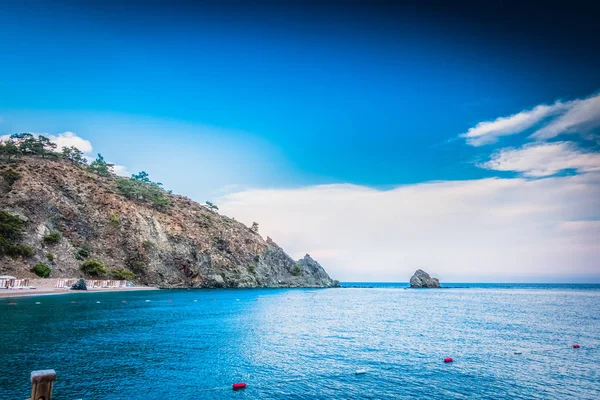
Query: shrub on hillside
115,221
296,271
83,252
122,274
52,238
10,177
11,227
11,233
93,267
41,270
18,250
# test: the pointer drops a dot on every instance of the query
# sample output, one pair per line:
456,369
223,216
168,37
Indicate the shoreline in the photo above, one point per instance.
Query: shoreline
7,293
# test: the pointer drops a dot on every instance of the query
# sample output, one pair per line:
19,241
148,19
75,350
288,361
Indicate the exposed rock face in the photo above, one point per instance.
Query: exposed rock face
421,279
186,245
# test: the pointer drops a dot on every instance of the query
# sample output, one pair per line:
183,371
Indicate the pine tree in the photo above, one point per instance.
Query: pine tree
101,167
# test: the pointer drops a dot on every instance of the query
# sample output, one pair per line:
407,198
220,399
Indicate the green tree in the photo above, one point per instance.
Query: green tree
9,149
45,146
30,145
20,138
142,177
254,227
211,206
74,155
101,167
93,267
41,270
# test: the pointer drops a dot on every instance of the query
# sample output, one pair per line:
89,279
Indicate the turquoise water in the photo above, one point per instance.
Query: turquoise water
307,344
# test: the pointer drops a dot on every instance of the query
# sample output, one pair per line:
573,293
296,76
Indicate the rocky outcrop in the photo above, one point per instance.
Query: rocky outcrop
183,245
421,279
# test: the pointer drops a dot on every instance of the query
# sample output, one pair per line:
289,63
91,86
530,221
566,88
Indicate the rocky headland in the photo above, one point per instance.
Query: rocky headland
62,219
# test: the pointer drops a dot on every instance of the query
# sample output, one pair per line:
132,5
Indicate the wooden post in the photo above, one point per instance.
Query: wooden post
41,384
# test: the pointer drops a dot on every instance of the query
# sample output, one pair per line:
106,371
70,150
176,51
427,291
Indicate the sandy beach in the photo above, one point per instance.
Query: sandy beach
46,287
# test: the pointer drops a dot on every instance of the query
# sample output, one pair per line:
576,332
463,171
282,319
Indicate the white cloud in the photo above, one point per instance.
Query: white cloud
545,159
582,117
121,170
68,139
577,116
488,132
474,230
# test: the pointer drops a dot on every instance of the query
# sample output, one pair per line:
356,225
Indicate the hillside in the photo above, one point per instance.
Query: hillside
70,217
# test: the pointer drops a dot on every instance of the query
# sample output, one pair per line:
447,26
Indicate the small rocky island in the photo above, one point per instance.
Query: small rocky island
421,279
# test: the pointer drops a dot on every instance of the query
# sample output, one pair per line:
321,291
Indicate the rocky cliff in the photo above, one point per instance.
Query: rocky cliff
71,216
421,279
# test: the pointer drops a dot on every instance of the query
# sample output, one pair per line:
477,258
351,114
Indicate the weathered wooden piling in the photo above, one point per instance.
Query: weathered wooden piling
41,384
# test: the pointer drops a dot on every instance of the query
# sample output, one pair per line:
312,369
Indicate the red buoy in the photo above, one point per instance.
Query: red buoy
576,346
237,386
448,360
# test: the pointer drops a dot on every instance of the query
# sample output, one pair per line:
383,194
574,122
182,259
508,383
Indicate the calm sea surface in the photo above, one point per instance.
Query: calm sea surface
307,344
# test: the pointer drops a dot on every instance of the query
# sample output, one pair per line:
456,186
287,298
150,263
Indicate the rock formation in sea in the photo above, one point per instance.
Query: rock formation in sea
64,214
421,279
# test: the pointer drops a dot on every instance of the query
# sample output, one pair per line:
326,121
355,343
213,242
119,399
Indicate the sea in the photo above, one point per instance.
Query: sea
507,341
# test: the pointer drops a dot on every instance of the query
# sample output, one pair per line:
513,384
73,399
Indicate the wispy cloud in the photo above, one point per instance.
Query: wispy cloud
582,116
473,230
544,159
576,116
489,131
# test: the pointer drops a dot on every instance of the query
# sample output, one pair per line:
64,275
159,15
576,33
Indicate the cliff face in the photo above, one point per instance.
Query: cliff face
185,245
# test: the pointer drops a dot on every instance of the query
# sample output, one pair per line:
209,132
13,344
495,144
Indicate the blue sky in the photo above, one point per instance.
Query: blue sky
344,101
213,99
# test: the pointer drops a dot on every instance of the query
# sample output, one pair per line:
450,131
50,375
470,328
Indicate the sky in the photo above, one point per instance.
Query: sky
379,137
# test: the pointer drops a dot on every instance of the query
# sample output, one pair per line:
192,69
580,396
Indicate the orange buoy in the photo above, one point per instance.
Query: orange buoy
237,386
576,346
448,360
